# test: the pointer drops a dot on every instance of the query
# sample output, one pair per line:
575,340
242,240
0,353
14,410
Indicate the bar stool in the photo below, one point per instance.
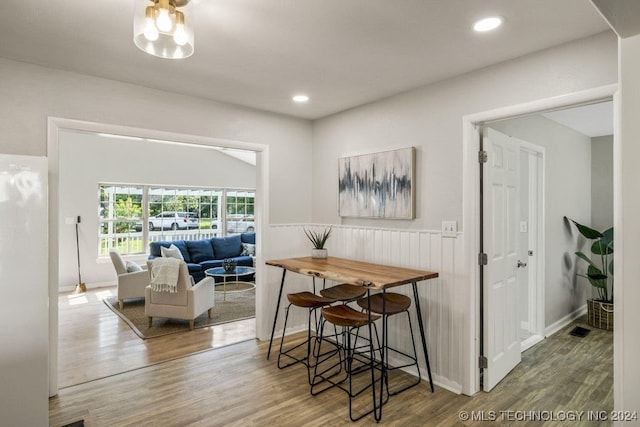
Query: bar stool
344,292
311,302
388,304
355,361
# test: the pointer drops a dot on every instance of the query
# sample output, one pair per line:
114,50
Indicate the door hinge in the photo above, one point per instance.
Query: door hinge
482,362
482,259
482,156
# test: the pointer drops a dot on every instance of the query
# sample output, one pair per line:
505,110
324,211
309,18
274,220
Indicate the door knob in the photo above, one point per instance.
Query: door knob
521,264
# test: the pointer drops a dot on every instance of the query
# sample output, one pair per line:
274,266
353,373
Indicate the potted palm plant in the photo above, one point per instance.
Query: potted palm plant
599,274
318,239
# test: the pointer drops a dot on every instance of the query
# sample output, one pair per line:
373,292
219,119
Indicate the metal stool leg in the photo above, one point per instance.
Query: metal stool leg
387,305
356,359
311,302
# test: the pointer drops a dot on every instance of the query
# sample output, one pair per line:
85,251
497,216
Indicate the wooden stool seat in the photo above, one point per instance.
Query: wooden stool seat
344,292
309,300
343,315
393,303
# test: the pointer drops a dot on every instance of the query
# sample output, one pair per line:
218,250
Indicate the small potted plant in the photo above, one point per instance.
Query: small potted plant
600,275
318,239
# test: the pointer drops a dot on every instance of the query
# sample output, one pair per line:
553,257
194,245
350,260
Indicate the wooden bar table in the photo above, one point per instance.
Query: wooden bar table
371,276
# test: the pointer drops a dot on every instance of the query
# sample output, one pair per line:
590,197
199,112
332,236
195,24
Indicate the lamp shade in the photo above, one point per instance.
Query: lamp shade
164,28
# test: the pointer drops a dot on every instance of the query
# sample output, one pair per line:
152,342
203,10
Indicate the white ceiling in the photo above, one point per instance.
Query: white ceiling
258,53
622,15
591,120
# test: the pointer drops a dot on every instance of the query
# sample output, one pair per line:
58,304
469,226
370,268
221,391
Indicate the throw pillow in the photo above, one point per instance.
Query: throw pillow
227,247
248,249
171,252
200,250
132,266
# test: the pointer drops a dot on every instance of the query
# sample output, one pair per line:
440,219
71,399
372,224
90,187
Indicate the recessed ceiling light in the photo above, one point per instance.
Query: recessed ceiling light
300,98
487,24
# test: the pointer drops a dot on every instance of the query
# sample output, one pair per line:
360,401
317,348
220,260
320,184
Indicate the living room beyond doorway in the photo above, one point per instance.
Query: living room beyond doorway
91,341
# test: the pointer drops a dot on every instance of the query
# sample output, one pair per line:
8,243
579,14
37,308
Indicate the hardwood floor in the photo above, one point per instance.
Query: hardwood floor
236,386
95,343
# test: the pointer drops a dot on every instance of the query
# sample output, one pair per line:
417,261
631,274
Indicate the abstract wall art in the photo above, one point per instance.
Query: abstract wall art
378,185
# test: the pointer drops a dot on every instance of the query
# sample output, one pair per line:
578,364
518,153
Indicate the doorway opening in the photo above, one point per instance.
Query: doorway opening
181,142
499,119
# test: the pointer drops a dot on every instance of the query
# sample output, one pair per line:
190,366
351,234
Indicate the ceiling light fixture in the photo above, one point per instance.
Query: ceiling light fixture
164,28
300,98
487,24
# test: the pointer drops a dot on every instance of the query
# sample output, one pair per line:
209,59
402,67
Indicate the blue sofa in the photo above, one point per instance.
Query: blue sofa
208,253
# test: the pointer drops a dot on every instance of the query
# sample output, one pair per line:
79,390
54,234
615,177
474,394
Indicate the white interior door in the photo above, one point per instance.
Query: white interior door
501,320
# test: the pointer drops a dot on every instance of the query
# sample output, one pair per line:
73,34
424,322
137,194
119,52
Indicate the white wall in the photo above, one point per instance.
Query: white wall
602,182
430,119
23,307
89,159
627,232
567,193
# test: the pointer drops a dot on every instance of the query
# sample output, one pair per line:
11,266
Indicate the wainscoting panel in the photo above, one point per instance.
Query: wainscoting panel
444,300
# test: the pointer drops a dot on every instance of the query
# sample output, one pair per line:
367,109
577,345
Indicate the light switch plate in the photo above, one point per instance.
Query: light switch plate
449,229
524,227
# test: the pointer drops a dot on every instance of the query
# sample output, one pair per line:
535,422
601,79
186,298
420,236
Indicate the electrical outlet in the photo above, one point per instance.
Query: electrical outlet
449,229
69,220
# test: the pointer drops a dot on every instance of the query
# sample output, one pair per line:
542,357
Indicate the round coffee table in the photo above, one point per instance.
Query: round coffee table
240,271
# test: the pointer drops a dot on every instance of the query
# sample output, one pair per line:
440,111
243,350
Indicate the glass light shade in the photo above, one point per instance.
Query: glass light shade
173,43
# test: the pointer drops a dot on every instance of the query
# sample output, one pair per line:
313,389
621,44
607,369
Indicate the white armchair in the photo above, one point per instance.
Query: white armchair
130,284
189,302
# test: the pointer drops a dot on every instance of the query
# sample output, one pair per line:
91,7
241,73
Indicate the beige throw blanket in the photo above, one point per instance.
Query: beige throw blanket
164,274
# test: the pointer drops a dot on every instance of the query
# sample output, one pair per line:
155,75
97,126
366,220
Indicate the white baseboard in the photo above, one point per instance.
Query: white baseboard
555,327
94,285
439,381
530,342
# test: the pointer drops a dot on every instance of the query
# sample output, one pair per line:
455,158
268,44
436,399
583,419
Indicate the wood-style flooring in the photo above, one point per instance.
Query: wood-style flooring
95,343
236,386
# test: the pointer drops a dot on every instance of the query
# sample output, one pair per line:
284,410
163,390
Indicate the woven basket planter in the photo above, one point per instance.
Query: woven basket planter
600,314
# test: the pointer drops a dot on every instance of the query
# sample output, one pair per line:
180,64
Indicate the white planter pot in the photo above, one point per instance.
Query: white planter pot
319,253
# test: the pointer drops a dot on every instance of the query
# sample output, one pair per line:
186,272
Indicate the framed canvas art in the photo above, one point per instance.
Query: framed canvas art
378,185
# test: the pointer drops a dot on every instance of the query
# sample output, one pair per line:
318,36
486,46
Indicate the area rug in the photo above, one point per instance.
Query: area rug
235,306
